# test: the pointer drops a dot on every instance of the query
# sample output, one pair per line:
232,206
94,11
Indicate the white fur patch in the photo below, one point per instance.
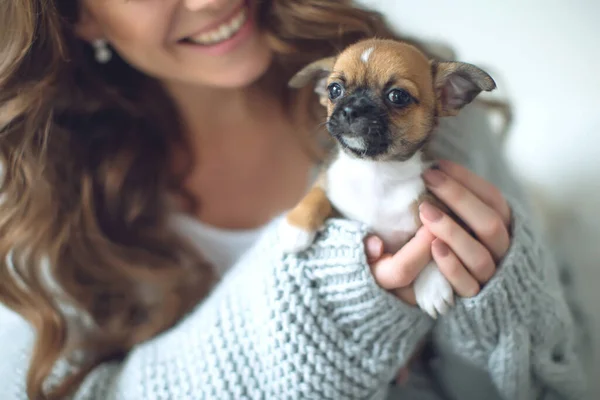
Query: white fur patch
433,292
379,194
294,239
355,143
367,54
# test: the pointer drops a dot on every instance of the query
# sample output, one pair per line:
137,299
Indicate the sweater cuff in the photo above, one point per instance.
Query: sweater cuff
371,317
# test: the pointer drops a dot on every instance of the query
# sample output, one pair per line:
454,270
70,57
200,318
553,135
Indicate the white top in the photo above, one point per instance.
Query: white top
221,247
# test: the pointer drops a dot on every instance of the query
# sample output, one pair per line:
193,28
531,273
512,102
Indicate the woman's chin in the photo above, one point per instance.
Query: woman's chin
239,76
235,71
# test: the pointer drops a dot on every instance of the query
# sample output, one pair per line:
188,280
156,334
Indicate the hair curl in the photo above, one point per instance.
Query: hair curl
85,159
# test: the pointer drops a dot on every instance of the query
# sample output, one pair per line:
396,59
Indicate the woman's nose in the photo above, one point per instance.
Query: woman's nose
196,5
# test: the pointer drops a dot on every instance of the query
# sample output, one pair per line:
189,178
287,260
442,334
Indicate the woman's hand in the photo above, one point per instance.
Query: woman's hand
467,262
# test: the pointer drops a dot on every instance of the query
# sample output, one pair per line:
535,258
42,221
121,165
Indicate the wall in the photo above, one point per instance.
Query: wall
546,58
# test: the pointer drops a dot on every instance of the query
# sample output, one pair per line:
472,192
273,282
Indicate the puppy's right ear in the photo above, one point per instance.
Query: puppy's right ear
316,71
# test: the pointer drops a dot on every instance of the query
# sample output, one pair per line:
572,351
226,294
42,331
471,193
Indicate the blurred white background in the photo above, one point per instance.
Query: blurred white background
545,57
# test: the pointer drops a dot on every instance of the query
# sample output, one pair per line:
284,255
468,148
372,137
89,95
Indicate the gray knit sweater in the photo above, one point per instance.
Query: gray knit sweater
317,326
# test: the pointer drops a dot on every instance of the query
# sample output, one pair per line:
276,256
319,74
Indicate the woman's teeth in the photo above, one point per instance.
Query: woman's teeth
222,32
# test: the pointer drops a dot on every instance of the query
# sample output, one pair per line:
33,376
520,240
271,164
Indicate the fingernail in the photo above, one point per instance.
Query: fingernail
374,246
434,177
434,165
430,212
440,248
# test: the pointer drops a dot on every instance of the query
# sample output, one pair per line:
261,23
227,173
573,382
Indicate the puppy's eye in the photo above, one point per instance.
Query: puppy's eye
335,91
399,97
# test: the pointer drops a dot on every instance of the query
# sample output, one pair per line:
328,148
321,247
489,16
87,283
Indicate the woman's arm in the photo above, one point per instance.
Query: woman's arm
517,331
314,325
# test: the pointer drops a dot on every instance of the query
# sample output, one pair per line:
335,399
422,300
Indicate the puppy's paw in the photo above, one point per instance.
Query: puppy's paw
294,239
433,292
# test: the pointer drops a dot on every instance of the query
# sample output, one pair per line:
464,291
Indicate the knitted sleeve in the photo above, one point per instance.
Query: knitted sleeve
518,330
314,325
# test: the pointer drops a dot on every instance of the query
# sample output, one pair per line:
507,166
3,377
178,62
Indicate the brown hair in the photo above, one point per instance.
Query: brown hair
85,172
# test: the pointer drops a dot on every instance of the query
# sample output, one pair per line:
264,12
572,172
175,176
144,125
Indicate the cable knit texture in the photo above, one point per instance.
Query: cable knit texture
317,326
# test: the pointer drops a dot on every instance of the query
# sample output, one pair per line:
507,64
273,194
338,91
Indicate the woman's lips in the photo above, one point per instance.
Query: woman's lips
222,31
224,37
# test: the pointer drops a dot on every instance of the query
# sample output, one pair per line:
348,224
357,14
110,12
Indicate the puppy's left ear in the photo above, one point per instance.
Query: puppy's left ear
457,84
316,71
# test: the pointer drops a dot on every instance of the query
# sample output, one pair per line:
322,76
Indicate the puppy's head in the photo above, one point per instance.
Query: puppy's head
383,97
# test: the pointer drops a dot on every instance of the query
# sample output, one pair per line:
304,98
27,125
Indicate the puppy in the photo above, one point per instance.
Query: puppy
383,100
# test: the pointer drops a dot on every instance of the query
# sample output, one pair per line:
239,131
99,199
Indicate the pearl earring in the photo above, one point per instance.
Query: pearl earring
103,53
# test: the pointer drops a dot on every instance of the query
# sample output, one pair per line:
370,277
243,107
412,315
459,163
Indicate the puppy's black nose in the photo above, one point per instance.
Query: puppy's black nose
349,113
356,108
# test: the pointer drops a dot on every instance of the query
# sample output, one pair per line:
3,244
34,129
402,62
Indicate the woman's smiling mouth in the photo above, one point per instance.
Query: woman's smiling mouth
222,32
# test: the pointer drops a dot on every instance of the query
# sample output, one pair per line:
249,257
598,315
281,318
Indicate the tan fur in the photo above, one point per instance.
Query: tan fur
394,62
311,212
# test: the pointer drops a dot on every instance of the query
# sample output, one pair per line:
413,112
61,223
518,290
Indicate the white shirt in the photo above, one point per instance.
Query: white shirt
221,247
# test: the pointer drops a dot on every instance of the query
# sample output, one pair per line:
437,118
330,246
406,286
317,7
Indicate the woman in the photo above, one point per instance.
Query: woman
148,148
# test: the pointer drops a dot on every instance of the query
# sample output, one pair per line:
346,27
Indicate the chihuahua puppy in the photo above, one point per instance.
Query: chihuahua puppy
383,100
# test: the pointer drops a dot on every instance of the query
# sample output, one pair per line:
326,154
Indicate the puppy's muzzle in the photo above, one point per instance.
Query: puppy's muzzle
357,110
360,124
354,115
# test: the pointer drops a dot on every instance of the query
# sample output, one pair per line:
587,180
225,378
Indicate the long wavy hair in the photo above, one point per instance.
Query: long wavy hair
85,158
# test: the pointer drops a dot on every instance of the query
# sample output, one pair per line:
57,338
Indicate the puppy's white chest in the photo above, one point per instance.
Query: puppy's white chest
380,194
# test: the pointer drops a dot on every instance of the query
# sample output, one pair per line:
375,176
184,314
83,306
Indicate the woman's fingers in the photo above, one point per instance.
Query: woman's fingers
473,255
374,248
452,268
483,189
400,270
484,220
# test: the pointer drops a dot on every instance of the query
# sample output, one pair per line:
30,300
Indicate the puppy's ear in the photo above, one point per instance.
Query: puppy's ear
316,71
457,84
